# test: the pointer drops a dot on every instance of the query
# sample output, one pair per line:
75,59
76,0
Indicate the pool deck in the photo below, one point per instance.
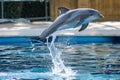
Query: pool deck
35,29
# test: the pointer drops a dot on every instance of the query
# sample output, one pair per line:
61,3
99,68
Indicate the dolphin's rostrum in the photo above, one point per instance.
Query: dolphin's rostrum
71,19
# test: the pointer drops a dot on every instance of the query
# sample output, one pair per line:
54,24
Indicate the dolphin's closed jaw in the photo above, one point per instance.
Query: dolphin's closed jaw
101,16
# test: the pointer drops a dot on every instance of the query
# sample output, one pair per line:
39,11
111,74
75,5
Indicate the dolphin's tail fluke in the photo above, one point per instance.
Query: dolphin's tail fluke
37,39
41,40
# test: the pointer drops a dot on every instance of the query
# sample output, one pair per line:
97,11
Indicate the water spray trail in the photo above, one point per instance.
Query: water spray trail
56,57
59,67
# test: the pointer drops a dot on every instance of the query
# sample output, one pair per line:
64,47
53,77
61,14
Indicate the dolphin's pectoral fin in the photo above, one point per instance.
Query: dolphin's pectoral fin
78,23
84,26
62,10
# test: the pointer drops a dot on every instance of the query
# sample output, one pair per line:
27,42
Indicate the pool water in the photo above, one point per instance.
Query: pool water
25,59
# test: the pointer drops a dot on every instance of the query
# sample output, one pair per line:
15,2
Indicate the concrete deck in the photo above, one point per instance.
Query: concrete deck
35,29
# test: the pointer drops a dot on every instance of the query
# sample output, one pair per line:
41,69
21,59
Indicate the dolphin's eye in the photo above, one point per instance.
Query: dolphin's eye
91,14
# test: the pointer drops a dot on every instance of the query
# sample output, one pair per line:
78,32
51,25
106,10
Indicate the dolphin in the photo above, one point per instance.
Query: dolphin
71,19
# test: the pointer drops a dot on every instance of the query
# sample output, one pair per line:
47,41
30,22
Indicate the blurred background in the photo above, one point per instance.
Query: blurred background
47,10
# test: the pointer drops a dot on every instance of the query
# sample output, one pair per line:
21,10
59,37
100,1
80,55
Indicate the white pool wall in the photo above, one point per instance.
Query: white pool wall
35,29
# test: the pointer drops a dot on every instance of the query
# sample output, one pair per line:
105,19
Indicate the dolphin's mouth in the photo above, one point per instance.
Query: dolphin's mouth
85,24
101,16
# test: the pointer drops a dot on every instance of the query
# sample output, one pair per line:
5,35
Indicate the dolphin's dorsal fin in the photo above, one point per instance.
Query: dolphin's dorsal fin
62,10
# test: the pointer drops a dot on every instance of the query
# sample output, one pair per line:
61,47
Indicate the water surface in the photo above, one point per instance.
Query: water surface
93,61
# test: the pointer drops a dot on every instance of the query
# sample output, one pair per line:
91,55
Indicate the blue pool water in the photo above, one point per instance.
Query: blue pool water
89,58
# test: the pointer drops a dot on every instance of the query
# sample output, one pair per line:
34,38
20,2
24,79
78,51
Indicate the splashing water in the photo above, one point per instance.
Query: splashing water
59,67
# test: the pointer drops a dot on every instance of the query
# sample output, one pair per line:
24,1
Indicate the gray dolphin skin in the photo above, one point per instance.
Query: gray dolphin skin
71,19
